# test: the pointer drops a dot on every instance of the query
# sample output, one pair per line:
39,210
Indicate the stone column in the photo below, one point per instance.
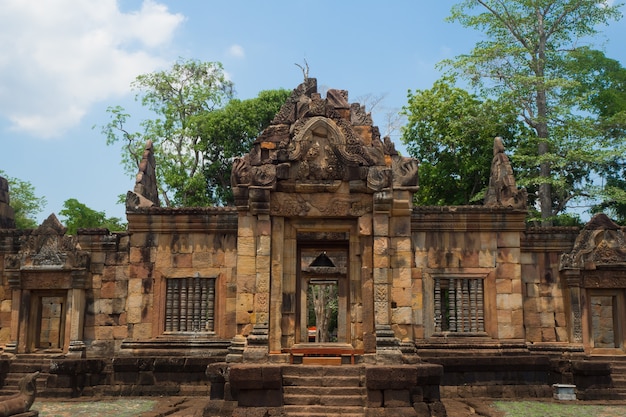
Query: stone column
573,279
387,345
401,256
257,349
74,323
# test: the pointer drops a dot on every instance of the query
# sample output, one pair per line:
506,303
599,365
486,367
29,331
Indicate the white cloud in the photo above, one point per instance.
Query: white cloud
61,56
236,51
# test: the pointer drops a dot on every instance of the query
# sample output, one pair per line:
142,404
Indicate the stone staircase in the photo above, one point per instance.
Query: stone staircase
618,375
317,391
23,365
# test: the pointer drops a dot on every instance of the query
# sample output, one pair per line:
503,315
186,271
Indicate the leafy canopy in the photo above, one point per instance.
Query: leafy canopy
77,215
522,61
230,132
24,201
198,129
451,132
179,97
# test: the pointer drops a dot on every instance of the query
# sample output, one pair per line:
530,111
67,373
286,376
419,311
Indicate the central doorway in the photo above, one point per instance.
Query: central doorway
323,293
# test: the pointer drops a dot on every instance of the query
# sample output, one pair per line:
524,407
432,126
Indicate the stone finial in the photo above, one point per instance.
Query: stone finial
502,191
7,215
145,193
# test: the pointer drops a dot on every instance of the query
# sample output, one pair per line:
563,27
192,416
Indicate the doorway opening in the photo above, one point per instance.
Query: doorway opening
46,330
606,310
323,288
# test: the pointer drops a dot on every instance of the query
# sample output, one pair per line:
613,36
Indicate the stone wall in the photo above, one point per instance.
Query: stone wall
469,243
545,308
179,243
106,323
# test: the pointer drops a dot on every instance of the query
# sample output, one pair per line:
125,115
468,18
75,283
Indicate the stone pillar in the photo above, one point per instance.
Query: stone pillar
387,345
74,322
573,279
260,238
401,260
276,287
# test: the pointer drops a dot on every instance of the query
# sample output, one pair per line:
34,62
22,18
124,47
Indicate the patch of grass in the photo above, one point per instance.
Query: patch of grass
553,409
109,408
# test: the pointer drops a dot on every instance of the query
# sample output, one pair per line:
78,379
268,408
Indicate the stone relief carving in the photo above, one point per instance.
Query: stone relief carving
405,172
320,145
601,242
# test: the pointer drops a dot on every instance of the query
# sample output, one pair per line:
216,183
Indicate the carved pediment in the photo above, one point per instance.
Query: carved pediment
47,247
600,243
319,145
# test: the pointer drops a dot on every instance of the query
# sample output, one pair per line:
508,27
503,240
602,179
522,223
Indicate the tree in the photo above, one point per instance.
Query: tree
451,132
180,97
229,132
602,81
77,216
25,203
521,61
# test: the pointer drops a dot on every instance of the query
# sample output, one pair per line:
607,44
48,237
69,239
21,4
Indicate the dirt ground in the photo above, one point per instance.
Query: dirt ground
194,407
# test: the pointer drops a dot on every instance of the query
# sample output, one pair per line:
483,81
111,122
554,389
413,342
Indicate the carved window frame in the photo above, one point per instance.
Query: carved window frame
190,305
476,289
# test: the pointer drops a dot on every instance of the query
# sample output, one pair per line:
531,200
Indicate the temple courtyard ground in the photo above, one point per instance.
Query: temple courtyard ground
193,407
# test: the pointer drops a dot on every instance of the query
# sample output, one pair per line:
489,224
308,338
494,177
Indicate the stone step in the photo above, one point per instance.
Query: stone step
322,411
304,370
323,381
325,400
324,391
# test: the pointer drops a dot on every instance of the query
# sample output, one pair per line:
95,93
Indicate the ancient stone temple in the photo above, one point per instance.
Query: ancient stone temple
323,271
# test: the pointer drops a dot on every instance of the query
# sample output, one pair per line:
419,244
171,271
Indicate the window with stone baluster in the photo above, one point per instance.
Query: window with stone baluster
459,305
190,305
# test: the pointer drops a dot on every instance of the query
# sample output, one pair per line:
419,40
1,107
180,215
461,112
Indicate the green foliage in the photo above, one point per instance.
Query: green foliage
229,132
180,98
451,132
24,202
523,61
77,215
198,129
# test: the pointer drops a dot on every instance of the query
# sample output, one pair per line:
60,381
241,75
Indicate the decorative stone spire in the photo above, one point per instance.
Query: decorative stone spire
7,215
145,193
502,191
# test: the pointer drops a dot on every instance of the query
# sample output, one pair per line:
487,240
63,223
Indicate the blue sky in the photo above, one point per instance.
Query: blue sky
65,61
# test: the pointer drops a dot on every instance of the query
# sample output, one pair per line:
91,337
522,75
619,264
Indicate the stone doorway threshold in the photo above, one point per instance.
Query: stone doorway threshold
323,354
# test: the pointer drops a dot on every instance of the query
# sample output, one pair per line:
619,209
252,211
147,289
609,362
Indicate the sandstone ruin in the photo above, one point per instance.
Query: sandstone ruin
422,302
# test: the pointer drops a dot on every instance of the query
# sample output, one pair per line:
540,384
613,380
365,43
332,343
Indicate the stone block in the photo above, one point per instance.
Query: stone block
402,277
486,259
381,225
401,315
562,335
246,265
5,306
365,225
508,240
381,275
508,255
141,331
503,286
396,398
401,296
